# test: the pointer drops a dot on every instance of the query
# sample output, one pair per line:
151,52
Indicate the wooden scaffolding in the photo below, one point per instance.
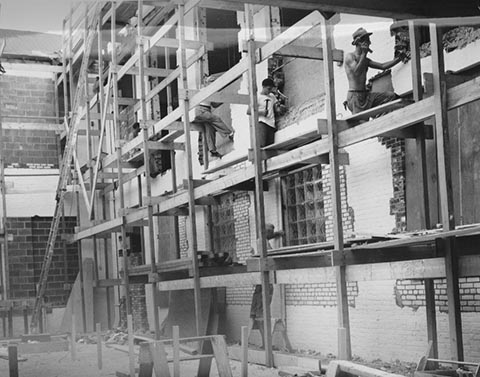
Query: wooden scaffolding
99,185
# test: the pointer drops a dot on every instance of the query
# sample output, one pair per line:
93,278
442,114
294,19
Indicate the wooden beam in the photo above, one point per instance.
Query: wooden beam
445,191
152,72
424,207
344,343
303,52
219,4
387,9
161,146
189,45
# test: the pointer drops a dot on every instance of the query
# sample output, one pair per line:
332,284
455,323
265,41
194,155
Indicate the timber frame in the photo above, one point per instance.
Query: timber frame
449,252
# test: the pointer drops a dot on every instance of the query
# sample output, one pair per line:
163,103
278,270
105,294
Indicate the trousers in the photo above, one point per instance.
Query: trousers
266,134
364,100
213,124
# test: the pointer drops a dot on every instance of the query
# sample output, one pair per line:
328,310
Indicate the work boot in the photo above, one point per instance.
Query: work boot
215,154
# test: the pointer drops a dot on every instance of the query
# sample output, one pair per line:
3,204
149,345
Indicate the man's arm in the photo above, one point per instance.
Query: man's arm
357,67
386,65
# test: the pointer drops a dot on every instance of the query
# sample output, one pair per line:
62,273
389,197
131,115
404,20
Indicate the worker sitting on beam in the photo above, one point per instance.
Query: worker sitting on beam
212,123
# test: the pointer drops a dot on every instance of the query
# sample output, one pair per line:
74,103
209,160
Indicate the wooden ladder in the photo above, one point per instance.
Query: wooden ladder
65,169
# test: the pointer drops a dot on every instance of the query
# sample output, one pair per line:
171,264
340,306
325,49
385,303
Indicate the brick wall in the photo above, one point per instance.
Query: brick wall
30,97
380,328
411,293
347,211
370,171
27,96
26,253
239,295
321,294
137,300
34,149
397,202
182,231
241,206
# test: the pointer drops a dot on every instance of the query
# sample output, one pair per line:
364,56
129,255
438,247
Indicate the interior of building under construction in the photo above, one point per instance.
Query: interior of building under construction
355,233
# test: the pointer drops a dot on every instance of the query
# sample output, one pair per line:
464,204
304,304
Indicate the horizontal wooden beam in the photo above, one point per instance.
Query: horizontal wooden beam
224,5
159,146
390,9
302,52
190,45
148,71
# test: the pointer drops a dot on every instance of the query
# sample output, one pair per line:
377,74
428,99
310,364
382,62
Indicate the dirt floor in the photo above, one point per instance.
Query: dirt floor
60,364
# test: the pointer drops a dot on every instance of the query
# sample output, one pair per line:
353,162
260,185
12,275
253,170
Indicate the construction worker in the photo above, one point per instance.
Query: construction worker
212,123
356,66
256,308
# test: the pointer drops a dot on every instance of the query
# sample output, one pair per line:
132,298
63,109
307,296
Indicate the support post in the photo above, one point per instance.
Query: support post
13,360
185,105
244,340
146,154
445,191
10,321
259,198
73,337
424,207
3,191
99,346
131,352
118,150
176,351
173,169
25,319
344,344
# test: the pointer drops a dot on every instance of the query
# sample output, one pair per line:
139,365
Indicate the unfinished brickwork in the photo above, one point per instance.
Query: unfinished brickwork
241,207
398,206
137,300
182,231
319,294
26,253
347,211
411,294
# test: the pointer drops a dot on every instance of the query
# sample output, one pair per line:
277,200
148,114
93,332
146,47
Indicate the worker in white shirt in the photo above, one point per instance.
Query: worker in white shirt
267,107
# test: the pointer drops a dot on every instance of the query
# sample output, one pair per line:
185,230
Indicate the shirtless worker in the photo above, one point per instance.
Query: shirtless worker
356,66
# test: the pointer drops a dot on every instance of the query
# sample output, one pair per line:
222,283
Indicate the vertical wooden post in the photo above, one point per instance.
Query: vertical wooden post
25,318
176,232
259,198
99,346
131,353
10,321
185,104
146,154
244,340
80,255
13,360
73,336
4,322
344,344
176,351
424,207
118,149
3,191
445,191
